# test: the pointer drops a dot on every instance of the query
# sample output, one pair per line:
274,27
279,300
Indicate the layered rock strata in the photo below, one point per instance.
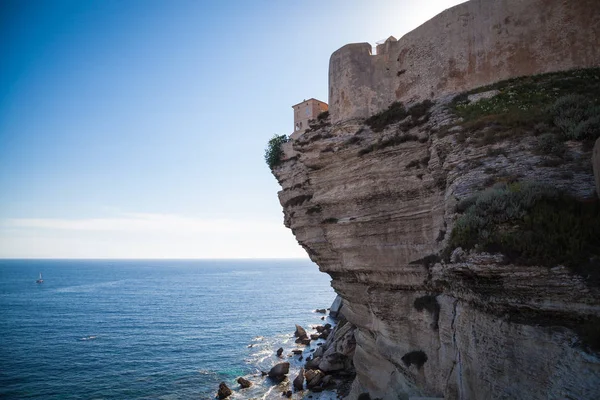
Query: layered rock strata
372,209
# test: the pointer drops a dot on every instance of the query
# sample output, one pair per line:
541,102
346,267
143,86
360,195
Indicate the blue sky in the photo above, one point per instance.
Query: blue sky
136,128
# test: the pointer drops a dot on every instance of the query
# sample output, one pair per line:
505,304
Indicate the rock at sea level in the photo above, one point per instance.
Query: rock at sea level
299,380
244,383
313,378
300,332
279,371
224,392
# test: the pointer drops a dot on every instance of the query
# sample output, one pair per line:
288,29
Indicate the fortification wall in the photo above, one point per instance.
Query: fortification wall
470,45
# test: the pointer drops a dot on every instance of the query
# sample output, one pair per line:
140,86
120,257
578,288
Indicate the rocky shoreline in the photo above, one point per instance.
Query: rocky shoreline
321,361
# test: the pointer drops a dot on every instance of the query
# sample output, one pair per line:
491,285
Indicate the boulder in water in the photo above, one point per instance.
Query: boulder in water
313,378
224,392
299,380
300,332
279,351
244,383
279,371
303,340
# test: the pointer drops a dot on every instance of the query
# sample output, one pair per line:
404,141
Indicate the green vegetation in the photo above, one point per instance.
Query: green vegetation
532,224
563,102
323,116
396,112
320,122
273,152
577,117
550,144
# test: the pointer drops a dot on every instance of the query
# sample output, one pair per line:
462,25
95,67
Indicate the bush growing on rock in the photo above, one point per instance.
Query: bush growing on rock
577,117
550,144
565,101
533,224
274,152
397,112
323,116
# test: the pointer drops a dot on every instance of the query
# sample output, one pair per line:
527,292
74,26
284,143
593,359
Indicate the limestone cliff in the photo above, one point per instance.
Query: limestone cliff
374,204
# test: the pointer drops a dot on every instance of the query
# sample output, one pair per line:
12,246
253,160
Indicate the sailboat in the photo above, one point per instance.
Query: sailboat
40,280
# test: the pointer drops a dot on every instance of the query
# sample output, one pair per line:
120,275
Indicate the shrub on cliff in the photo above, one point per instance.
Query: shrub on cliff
550,144
323,116
577,117
396,112
565,101
532,224
273,152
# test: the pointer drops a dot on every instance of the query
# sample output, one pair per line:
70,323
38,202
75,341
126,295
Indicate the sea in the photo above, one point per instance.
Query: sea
148,329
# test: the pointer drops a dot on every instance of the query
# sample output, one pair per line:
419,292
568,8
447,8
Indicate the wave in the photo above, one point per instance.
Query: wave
89,287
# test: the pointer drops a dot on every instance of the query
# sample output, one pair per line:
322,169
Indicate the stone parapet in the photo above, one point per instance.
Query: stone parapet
470,45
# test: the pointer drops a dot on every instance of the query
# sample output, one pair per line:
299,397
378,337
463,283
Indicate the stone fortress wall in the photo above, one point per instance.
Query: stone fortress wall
470,45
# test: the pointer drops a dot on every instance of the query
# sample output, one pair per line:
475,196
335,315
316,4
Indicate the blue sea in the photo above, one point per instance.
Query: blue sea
146,329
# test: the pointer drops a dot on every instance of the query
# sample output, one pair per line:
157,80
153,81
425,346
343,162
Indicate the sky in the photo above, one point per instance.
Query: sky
137,128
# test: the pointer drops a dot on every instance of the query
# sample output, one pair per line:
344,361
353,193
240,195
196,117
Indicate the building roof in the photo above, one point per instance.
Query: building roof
312,98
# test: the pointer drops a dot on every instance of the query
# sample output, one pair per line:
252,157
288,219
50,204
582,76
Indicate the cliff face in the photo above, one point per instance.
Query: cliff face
375,207
470,45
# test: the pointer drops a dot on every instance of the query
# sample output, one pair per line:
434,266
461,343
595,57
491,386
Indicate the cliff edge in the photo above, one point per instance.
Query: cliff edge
463,240
462,231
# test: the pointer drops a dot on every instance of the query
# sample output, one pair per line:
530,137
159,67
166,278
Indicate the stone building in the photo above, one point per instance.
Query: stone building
304,112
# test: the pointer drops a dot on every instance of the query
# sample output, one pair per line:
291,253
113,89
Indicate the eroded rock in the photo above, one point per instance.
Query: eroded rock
244,383
313,378
279,371
224,392
299,380
300,332
385,213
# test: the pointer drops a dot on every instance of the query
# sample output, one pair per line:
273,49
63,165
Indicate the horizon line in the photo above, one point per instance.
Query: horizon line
151,259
